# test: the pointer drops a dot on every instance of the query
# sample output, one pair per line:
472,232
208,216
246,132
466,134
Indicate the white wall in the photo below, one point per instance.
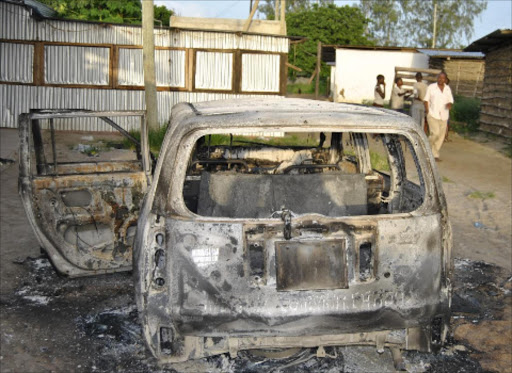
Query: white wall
357,70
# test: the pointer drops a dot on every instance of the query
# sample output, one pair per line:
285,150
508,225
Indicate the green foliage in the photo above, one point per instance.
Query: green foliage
329,24
378,161
303,88
288,140
411,22
268,8
114,11
466,111
507,150
155,137
163,15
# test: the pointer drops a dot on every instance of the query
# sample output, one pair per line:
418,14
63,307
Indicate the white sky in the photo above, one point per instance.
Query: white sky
497,15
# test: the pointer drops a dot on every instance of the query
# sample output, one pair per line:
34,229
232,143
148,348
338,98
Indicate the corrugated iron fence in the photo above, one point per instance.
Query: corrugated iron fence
81,65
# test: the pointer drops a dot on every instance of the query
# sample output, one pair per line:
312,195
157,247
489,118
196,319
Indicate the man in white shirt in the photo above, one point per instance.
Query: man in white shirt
418,108
438,102
397,96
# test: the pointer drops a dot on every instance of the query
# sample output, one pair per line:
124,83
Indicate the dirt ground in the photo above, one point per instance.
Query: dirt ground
53,324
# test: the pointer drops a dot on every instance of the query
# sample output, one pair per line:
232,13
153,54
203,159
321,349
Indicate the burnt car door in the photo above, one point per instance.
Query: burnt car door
83,209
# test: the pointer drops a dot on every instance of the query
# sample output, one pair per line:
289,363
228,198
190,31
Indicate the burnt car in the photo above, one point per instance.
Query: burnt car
287,223
83,209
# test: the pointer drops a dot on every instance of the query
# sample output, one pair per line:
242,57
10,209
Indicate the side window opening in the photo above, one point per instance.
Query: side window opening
327,173
57,153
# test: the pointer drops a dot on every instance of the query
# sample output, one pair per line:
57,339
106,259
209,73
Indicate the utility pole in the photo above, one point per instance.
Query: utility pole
148,53
435,25
318,65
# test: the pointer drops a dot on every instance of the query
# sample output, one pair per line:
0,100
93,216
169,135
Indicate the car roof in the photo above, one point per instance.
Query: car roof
282,112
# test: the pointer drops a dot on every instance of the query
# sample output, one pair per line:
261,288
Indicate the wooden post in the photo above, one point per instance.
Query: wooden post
148,53
249,20
276,10
283,18
318,64
38,64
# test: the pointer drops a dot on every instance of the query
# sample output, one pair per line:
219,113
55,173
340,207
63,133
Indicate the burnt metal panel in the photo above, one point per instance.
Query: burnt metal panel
311,265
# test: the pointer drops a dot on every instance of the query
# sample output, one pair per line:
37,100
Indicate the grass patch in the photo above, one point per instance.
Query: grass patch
379,162
507,150
155,137
446,180
481,195
465,114
303,88
288,140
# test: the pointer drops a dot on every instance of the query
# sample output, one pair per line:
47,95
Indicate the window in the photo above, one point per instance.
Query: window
328,173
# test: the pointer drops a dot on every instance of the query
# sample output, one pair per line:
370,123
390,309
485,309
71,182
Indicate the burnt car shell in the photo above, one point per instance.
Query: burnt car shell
83,213
217,284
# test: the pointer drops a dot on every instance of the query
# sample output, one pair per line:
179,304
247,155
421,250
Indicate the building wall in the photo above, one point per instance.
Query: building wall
67,64
356,71
466,75
496,105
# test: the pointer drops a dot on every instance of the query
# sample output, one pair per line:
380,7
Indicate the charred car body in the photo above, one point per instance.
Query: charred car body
290,223
83,210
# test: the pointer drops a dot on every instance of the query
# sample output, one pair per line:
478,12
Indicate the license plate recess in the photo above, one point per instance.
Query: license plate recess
311,265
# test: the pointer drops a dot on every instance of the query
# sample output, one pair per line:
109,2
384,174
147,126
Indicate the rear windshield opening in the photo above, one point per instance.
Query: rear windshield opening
329,173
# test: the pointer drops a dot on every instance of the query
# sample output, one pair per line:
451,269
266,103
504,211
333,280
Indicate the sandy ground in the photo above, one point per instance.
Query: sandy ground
49,323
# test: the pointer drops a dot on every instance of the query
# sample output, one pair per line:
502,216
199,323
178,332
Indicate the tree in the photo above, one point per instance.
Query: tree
115,11
268,8
163,14
411,22
329,24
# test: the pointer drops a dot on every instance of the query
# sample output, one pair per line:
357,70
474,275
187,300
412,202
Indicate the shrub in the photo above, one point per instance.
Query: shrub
465,110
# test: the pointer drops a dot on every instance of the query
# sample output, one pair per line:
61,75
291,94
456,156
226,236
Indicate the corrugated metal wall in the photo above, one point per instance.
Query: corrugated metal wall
18,99
90,65
214,70
169,66
16,62
16,23
254,66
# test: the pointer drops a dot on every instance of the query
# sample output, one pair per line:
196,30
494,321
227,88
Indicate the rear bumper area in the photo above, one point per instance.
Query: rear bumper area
195,347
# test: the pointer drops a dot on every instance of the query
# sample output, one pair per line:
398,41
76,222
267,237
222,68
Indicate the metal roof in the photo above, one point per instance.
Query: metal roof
443,53
41,9
329,51
491,41
280,113
38,9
